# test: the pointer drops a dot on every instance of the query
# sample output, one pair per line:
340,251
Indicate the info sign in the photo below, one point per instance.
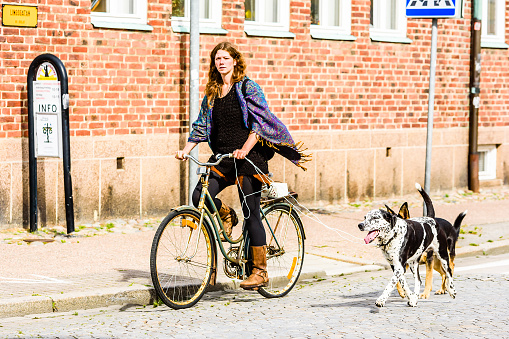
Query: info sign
47,108
433,8
48,127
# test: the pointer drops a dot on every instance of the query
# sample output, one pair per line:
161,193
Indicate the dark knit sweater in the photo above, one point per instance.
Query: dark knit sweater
229,133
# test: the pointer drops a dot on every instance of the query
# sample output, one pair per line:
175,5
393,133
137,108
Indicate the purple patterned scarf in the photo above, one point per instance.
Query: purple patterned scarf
258,118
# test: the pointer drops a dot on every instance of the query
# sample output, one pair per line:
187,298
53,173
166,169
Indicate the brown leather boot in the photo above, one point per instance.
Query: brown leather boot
229,218
259,276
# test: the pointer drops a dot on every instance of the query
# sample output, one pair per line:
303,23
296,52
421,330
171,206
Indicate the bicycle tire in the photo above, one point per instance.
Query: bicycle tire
284,258
181,259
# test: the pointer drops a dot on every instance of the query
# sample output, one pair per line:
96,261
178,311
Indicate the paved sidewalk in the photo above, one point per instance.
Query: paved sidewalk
106,264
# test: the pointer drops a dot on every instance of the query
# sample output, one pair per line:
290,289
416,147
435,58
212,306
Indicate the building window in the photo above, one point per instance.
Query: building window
493,24
388,21
120,14
331,19
267,18
210,16
487,162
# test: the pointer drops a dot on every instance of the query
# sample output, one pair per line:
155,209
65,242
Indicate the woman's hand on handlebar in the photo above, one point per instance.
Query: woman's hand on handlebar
246,148
240,154
180,155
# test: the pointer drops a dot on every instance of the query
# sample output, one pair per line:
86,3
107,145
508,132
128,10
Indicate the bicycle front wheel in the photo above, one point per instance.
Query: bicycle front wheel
285,249
181,259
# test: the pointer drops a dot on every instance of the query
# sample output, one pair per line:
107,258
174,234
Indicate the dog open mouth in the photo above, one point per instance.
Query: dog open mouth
371,236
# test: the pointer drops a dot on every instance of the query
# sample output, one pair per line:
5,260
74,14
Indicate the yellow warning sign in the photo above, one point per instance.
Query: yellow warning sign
46,71
19,16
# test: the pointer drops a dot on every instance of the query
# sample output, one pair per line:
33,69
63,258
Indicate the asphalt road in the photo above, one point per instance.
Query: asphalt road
335,307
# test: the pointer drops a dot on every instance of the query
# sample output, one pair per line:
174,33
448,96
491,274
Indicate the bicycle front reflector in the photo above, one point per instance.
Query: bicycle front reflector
188,223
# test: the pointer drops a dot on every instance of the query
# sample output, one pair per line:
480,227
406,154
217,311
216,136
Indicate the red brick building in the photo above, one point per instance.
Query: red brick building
349,78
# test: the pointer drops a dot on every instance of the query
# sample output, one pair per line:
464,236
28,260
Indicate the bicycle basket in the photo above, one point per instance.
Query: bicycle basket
275,190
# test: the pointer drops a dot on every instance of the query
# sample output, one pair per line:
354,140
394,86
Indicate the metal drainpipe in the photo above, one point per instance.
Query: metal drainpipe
474,100
194,90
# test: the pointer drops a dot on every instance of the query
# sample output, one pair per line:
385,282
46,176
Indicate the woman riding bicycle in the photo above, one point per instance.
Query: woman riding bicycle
235,118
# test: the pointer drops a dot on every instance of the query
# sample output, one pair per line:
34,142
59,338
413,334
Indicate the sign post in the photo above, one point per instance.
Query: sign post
48,127
432,9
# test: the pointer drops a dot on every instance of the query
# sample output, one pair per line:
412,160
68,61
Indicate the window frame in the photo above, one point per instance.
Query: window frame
490,162
494,40
389,35
213,25
331,32
136,21
280,29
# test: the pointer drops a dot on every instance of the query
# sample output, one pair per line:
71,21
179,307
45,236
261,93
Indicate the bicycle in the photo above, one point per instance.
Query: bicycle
183,257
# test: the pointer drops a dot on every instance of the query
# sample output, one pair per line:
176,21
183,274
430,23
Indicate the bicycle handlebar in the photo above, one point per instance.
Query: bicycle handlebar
219,158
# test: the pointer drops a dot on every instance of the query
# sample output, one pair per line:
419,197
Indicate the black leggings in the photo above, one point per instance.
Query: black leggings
251,188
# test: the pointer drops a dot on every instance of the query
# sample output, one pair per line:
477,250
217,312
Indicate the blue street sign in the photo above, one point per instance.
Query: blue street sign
432,8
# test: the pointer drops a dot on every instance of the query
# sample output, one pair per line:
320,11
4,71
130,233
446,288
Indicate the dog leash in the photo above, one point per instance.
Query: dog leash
303,210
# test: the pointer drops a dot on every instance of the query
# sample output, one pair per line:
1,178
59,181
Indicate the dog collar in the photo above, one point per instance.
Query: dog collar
388,242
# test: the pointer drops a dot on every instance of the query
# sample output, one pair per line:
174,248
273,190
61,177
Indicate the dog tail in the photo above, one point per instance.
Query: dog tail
456,226
430,211
457,222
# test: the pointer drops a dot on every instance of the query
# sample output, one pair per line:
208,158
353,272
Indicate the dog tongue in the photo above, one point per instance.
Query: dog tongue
371,236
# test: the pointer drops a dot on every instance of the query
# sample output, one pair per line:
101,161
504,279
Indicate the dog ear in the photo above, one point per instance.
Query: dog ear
389,217
404,213
394,220
389,210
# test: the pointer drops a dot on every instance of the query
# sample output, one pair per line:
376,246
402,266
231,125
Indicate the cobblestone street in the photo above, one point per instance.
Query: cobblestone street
334,307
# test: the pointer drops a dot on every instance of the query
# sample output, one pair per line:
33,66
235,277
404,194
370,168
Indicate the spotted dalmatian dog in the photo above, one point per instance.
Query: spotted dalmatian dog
402,243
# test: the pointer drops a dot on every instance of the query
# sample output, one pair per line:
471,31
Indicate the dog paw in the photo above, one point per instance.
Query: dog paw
451,290
424,296
412,300
380,302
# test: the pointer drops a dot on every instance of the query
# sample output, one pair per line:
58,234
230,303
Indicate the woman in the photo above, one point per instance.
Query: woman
235,118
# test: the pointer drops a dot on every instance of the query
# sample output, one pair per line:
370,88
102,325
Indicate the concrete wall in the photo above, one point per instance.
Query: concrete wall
347,166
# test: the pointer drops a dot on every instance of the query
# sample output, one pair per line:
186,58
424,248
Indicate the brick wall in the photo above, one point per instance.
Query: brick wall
132,83
129,82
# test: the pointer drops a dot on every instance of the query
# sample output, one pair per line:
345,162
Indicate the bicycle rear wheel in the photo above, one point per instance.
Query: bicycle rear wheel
285,249
181,259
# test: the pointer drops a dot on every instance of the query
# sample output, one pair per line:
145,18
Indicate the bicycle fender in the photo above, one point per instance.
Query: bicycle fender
205,221
185,207
291,207
265,208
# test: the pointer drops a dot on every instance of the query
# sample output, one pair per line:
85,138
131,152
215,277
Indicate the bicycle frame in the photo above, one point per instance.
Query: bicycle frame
205,201
216,222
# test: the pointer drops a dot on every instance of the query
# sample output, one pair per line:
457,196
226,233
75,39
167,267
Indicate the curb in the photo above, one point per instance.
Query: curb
352,260
132,295
496,247
18,307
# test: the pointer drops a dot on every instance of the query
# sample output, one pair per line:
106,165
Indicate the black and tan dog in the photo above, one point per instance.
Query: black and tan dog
451,233
403,242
